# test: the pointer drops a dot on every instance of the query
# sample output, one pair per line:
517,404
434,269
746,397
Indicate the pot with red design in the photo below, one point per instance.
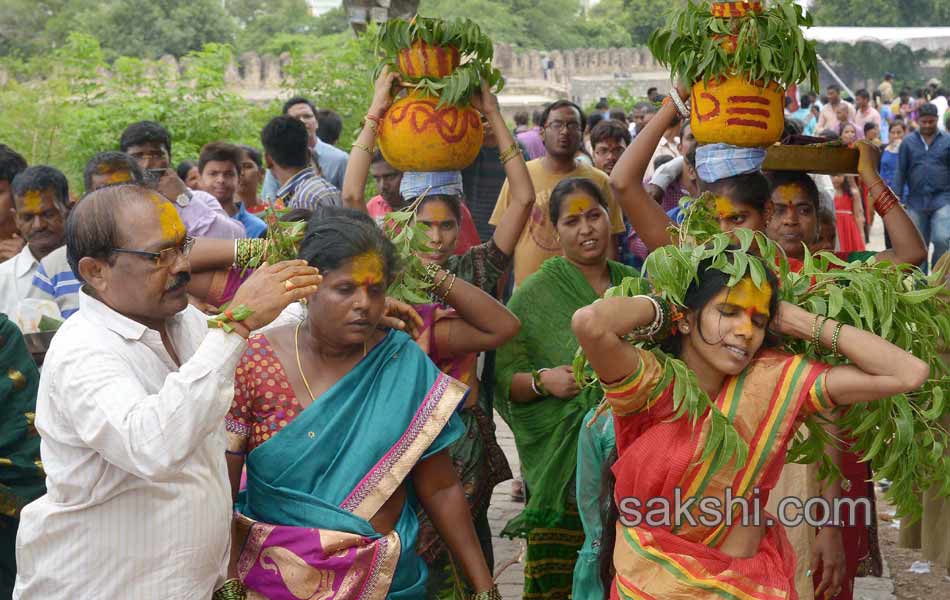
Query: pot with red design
418,135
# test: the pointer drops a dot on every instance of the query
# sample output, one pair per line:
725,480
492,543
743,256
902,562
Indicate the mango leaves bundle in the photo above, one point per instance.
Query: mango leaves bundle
902,436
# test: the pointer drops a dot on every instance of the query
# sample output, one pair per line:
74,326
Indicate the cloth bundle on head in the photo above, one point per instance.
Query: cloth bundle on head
432,183
719,161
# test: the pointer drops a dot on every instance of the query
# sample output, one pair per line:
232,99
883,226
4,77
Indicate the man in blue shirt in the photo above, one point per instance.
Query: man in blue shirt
924,166
219,166
332,160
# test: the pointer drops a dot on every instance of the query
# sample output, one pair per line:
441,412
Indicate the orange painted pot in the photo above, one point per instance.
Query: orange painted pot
416,136
423,60
734,111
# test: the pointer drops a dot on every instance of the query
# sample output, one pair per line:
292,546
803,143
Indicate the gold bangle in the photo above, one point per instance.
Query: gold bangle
363,147
492,594
449,289
509,152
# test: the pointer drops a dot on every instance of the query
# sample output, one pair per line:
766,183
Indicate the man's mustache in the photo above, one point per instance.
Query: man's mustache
181,280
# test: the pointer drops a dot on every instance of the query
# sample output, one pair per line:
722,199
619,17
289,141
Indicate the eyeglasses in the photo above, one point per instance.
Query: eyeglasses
166,257
572,127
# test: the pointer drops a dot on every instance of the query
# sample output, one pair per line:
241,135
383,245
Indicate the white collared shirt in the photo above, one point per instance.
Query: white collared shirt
16,280
138,503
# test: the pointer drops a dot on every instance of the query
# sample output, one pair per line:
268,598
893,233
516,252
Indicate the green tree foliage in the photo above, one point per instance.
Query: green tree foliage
261,21
882,13
557,24
74,112
337,76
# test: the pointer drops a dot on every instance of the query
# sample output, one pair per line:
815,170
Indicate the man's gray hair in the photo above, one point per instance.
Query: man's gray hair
92,227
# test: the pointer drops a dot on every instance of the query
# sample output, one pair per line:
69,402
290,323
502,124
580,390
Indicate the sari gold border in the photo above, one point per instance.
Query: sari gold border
660,575
395,473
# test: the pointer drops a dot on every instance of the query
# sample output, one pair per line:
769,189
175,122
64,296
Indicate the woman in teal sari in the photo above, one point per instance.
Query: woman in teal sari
344,430
535,391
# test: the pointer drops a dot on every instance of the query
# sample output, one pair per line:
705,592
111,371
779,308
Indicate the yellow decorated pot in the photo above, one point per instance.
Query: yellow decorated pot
416,136
734,111
423,60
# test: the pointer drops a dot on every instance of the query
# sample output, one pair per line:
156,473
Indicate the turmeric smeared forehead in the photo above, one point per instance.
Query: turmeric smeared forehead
578,204
724,207
368,269
172,227
33,201
750,297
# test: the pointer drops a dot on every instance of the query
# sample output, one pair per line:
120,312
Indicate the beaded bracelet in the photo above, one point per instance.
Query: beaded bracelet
816,335
834,339
492,594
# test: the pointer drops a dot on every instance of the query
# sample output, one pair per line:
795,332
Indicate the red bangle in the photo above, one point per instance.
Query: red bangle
884,203
373,118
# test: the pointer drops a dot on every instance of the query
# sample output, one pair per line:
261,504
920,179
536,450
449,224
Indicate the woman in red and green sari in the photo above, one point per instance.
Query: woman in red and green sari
344,429
764,393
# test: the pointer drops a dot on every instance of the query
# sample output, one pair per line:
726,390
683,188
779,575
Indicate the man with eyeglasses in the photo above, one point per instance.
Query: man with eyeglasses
562,126
131,408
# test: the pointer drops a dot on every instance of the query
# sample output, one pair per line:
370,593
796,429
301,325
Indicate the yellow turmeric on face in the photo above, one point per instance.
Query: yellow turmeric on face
172,227
578,204
33,201
367,269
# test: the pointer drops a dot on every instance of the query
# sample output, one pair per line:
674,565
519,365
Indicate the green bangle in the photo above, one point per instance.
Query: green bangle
834,339
231,315
232,589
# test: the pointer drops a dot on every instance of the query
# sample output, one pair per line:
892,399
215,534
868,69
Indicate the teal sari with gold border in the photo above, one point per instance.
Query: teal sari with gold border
312,487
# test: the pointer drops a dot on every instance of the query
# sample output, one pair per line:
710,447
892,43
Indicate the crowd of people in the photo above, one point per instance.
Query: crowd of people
215,420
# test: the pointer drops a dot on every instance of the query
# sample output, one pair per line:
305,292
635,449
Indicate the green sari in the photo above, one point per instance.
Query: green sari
22,479
546,430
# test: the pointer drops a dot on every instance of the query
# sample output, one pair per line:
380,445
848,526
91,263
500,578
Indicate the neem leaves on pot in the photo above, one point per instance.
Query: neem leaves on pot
764,46
446,59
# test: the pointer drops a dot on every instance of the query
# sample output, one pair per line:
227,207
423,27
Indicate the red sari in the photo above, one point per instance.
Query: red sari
660,457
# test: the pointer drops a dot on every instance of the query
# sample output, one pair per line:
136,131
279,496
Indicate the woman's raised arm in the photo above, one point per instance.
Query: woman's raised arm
879,369
626,181
361,156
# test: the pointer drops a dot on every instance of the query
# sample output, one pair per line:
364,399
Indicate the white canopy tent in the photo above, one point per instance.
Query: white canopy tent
935,39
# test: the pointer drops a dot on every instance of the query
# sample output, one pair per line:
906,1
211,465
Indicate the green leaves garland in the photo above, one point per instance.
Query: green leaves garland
475,48
902,437
768,46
